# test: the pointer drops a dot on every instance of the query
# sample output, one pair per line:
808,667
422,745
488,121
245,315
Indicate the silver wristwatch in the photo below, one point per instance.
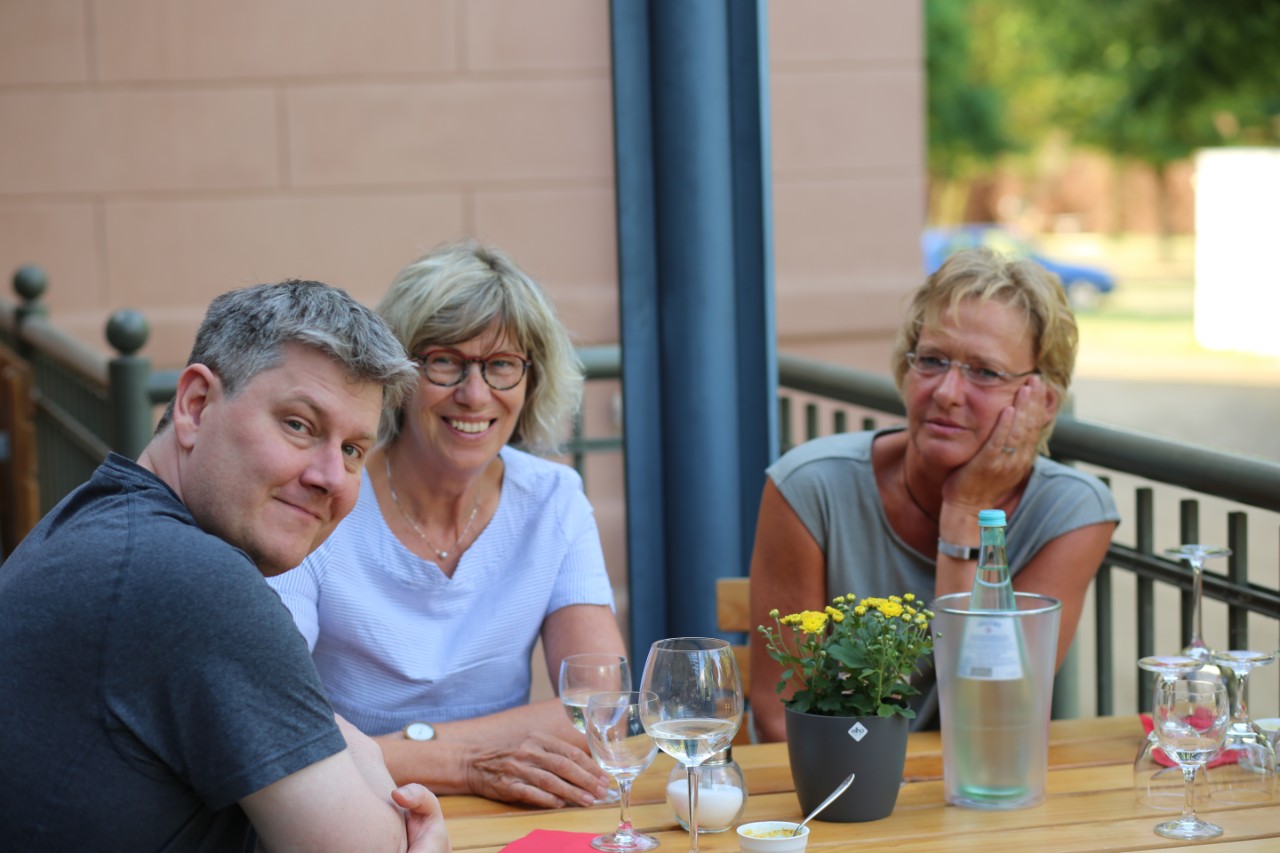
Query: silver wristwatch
419,730
960,552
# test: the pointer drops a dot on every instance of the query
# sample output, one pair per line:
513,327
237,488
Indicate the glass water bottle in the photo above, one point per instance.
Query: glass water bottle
994,687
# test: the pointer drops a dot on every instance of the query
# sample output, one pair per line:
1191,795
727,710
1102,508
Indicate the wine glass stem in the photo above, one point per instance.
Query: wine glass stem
1189,777
624,802
693,808
1237,685
1197,628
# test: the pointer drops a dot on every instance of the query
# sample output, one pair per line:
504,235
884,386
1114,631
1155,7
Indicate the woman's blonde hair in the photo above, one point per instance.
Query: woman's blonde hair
460,290
982,274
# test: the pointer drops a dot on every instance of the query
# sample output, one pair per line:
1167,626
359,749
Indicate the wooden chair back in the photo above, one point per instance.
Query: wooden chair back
733,613
19,485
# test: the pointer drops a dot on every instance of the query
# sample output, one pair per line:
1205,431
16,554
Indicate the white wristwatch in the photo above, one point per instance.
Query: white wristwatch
960,552
419,730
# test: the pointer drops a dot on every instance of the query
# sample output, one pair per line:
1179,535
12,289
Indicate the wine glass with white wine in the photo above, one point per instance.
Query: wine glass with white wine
584,675
696,705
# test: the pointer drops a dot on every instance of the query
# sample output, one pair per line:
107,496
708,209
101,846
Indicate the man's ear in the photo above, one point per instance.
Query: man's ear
198,388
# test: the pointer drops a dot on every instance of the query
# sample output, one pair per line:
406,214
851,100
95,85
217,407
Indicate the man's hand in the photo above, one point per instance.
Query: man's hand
541,770
424,821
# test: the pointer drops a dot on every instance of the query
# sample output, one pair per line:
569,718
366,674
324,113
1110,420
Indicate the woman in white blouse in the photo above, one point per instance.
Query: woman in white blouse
465,548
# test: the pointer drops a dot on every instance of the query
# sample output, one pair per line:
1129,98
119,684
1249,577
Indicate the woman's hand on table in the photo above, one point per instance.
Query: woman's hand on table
541,770
423,820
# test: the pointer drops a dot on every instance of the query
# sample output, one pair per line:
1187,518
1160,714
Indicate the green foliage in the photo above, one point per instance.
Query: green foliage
964,112
1149,80
853,658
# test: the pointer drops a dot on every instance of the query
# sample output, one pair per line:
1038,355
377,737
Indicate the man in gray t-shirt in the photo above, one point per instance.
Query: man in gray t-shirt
156,695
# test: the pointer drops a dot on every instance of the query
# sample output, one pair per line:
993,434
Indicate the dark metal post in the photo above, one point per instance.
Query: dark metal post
30,283
127,377
699,371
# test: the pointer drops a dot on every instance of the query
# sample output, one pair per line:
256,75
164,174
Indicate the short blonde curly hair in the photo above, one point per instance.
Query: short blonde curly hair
456,292
1024,285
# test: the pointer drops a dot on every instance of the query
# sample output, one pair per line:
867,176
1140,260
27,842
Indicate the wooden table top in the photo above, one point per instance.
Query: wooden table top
1090,807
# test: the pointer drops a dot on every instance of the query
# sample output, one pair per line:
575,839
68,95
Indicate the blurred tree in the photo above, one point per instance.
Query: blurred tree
1153,80
1147,81
965,121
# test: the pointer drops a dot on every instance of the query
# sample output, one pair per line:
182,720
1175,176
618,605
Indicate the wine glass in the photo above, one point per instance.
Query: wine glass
1249,777
1159,784
1195,555
696,705
622,747
1190,720
586,674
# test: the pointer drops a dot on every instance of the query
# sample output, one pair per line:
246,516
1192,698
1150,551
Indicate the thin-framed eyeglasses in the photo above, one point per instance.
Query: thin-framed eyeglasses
931,366
446,367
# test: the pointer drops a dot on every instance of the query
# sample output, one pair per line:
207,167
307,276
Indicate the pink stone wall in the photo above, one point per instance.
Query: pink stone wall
158,152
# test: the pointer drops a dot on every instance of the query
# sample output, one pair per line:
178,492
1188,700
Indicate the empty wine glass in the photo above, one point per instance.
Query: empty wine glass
1249,774
1190,719
1195,555
621,746
1157,780
696,705
582,676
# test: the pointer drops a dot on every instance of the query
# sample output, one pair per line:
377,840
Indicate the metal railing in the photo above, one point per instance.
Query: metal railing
88,402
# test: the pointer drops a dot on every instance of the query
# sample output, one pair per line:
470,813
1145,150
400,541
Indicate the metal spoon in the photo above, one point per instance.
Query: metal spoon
840,789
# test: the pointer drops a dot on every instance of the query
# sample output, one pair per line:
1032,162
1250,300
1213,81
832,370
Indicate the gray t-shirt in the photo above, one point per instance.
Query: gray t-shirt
151,678
830,484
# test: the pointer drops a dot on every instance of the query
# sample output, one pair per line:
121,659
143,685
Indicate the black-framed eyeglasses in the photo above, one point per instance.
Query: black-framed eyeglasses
931,366
446,367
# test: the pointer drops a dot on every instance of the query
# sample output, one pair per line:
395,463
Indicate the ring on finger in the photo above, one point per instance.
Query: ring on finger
1009,449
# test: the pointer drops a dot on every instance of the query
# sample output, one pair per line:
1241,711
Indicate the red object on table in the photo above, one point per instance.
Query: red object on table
552,841
1225,757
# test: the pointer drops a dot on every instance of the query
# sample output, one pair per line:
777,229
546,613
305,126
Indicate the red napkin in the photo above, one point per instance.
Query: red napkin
552,841
1226,757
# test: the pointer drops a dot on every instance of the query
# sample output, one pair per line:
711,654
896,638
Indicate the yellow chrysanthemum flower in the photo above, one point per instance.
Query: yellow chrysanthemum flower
812,621
909,597
890,609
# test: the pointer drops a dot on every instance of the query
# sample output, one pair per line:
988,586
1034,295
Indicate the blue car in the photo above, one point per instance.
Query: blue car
1084,284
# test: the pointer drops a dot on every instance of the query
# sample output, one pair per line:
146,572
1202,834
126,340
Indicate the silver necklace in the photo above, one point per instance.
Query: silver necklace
395,499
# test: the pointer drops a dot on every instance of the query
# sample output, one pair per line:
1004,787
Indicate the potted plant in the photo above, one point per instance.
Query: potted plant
848,669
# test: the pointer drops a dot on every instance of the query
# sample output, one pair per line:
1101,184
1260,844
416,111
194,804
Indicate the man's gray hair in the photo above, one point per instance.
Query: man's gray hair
244,333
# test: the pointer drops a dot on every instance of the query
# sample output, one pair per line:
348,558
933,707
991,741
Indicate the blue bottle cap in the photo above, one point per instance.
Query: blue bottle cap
991,518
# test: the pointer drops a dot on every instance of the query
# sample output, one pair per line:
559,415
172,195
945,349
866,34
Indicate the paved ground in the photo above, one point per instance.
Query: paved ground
1141,367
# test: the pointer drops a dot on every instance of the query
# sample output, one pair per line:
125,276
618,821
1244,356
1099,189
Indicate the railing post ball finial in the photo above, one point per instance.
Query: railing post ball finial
127,331
30,282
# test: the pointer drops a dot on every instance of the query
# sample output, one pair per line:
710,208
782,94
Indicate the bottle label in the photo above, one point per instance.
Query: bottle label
989,651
